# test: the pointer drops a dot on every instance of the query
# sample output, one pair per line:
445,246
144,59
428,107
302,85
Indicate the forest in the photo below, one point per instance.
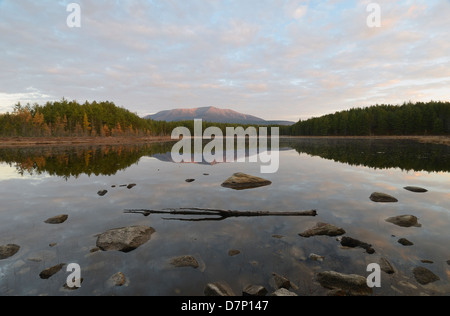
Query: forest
431,118
103,119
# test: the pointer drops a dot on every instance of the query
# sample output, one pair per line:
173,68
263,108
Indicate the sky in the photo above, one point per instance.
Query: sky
275,59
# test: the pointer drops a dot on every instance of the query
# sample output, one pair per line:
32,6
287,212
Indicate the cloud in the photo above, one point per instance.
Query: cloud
272,59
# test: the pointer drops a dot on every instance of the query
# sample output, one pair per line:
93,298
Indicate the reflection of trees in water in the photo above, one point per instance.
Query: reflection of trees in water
378,154
69,162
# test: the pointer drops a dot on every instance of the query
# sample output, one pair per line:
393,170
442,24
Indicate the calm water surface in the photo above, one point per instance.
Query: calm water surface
334,177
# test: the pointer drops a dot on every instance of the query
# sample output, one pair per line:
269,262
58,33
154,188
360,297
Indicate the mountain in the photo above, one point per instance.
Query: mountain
212,114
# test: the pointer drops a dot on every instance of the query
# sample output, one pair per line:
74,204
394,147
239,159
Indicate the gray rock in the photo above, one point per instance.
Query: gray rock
218,289
242,181
124,239
386,266
7,251
49,272
283,292
184,261
59,219
383,198
416,189
118,279
404,221
424,276
281,281
405,242
348,284
254,290
351,242
321,229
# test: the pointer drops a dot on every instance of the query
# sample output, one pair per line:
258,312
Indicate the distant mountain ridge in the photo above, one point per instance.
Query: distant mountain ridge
212,114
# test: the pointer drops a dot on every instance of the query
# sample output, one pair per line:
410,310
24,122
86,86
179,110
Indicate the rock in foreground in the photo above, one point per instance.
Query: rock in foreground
242,181
323,229
382,198
124,239
8,251
218,289
350,284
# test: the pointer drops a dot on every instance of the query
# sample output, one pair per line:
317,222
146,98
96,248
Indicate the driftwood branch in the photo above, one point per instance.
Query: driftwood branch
217,214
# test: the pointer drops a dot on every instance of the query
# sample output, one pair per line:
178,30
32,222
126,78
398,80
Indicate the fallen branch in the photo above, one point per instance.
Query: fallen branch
221,214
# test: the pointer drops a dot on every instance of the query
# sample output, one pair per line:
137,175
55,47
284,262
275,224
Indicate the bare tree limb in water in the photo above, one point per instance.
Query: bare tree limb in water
219,214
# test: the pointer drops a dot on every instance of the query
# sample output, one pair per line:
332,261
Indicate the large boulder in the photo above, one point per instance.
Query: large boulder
321,229
242,181
7,251
404,221
124,239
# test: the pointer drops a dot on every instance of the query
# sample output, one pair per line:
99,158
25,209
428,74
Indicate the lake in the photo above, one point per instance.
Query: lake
333,176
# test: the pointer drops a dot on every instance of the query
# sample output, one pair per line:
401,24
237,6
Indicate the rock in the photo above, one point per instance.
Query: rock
448,262
416,189
130,186
315,257
124,239
277,236
323,229
49,272
254,290
349,284
102,193
427,261
283,292
233,252
59,219
405,242
281,281
351,242
190,180
404,221
117,279
382,197
218,289
53,244
184,261
386,266
424,276
8,251
242,181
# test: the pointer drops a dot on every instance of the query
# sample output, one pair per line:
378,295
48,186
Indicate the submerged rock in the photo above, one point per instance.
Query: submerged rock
386,266
352,243
59,219
242,181
184,261
323,229
218,289
254,290
8,251
49,272
117,279
283,292
404,221
424,276
315,257
124,239
349,284
233,252
416,189
383,198
405,242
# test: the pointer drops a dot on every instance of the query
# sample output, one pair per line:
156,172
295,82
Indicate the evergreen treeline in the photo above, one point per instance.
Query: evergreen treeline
432,118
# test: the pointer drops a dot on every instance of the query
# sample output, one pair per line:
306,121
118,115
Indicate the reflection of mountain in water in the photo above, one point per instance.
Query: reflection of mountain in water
69,162
378,154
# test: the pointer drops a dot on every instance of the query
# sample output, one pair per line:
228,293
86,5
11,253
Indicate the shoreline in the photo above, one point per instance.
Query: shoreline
83,141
